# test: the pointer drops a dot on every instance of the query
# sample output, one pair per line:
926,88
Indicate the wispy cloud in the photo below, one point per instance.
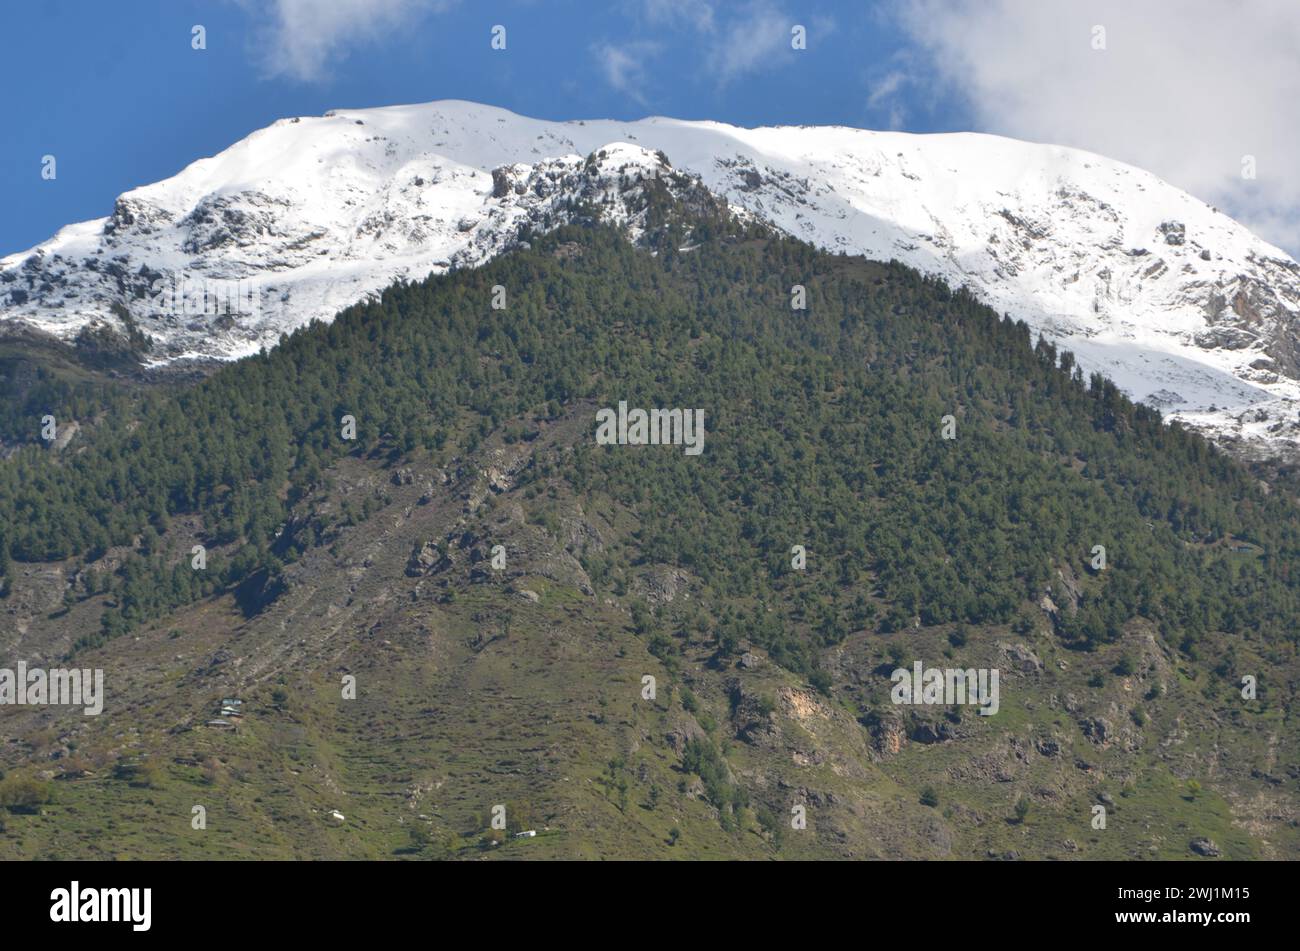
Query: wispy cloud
755,37
885,93
624,66
693,13
733,40
1184,88
302,37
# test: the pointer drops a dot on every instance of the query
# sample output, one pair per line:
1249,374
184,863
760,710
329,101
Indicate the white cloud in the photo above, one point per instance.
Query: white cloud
625,66
1183,88
885,92
750,41
303,36
746,38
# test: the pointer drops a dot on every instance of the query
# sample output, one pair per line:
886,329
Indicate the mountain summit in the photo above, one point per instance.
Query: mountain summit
1180,305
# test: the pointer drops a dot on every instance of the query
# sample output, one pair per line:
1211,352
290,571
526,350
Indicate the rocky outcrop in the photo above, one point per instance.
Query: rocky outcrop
1019,657
661,584
888,734
427,560
1098,729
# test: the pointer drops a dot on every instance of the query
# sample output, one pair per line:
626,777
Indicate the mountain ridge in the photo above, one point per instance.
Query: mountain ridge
1180,305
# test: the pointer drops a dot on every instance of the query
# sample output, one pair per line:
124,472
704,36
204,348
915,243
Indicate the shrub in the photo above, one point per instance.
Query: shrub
24,794
1022,809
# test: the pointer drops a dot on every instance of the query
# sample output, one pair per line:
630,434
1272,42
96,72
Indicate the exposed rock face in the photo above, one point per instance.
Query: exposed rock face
1097,729
752,716
685,731
889,734
1048,746
928,731
66,431
1067,589
662,584
427,560
1020,657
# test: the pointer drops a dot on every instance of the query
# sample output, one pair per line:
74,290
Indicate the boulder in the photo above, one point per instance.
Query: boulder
1020,657
1047,746
426,560
1097,729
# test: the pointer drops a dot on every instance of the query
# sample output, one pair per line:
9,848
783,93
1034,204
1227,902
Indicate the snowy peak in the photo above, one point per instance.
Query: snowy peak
1180,305
238,249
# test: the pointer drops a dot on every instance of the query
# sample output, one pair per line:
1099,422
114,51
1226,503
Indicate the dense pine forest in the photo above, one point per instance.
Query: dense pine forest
824,429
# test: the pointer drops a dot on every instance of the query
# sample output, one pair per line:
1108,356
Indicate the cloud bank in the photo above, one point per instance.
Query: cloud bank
1188,89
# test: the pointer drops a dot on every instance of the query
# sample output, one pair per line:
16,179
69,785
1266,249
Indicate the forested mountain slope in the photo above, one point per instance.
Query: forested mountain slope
514,675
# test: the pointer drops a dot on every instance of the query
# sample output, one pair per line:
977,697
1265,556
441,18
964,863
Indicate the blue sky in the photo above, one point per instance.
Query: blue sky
116,93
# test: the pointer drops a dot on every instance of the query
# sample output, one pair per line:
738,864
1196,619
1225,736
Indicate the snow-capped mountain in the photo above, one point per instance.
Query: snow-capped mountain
1183,307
